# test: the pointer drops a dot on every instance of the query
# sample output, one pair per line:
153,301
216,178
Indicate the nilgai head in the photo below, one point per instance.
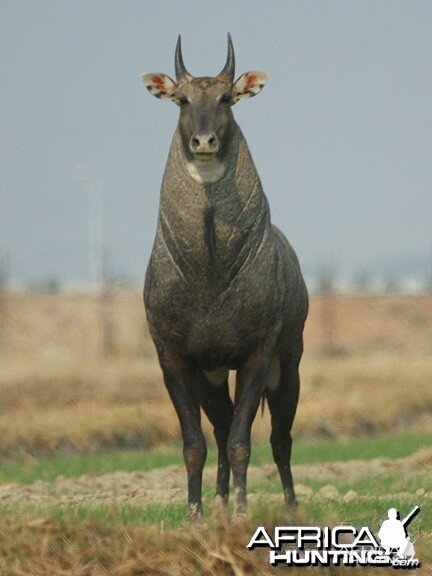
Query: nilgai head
205,102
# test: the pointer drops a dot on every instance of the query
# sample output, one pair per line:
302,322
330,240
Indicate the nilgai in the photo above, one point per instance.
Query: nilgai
223,288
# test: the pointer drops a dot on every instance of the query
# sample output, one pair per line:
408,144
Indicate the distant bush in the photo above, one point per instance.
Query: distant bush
50,285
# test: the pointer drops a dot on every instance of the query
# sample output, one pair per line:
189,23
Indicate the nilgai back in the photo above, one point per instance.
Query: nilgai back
223,289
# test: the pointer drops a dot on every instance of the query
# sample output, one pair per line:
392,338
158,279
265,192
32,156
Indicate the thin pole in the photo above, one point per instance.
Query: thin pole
4,275
95,188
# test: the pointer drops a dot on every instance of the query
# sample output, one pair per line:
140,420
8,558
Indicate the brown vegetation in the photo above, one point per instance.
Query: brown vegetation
62,407
70,324
45,547
59,395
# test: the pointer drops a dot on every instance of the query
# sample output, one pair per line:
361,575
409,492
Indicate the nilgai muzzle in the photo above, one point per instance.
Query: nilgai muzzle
223,289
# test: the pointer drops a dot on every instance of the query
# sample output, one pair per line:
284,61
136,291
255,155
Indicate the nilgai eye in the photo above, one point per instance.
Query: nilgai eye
183,101
225,98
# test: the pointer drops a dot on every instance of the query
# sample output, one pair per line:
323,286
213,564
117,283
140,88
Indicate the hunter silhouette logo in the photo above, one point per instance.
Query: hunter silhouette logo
343,545
393,533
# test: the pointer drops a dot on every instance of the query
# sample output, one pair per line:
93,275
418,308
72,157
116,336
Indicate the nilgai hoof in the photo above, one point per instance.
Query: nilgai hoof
219,509
238,517
195,514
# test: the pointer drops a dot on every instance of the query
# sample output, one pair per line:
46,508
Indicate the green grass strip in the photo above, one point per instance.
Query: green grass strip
305,452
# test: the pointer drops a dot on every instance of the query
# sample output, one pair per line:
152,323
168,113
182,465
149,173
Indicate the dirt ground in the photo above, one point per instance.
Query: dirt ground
163,486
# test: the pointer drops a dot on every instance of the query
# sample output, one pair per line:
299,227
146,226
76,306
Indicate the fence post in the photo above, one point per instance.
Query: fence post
326,288
4,277
107,323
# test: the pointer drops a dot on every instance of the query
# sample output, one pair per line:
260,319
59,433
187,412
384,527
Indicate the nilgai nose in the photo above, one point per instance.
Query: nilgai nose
223,289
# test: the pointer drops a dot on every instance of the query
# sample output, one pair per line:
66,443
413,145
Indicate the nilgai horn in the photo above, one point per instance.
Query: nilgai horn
223,289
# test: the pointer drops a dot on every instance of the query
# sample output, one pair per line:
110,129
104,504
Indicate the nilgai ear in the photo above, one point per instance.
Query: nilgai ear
249,84
160,85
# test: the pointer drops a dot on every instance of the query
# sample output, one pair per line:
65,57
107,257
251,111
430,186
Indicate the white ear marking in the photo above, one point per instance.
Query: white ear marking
159,85
249,84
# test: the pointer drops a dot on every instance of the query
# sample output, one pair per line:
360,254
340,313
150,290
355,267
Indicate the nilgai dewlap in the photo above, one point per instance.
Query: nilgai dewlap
223,289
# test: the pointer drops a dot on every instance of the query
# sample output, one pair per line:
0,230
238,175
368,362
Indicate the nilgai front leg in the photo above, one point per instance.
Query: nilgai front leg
181,382
218,406
251,381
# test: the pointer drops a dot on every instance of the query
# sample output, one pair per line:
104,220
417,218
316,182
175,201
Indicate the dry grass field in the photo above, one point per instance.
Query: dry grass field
60,394
65,407
90,444
52,325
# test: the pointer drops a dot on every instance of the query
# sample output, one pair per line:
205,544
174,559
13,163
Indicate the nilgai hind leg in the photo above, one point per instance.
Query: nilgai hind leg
251,380
218,407
282,403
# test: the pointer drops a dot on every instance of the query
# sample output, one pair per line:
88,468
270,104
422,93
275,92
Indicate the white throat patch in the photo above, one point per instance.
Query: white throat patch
205,171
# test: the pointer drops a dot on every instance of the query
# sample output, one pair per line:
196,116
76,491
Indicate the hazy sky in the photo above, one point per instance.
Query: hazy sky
341,134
